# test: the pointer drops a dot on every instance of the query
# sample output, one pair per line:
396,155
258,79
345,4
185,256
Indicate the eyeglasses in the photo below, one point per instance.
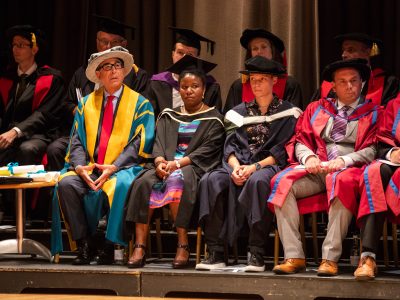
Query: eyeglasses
20,45
107,43
108,67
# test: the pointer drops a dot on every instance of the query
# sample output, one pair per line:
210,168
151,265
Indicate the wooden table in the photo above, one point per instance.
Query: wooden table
22,245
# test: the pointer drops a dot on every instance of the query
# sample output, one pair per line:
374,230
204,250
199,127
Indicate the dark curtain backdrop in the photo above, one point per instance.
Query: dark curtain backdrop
379,18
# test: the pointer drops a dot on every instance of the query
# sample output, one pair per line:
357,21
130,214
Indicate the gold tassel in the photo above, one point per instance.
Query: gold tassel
33,39
244,78
374,50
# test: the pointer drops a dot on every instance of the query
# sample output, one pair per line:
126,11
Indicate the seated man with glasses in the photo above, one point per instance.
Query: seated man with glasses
112,137
110,33
30,93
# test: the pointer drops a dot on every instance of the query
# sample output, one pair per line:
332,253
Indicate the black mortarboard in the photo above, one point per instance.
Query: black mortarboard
361,65
249,34
192,39
357,36
262,65
32,34
112,26
191,63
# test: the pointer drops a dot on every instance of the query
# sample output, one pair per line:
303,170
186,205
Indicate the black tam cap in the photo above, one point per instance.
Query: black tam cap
361,65
192,39
249,34
262,65
191,63
112,26
32,34
358,36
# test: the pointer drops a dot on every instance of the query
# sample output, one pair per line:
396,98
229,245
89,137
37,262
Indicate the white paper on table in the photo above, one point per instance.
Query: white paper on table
46,177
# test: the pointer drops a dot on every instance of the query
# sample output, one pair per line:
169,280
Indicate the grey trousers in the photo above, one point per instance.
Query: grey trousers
288,219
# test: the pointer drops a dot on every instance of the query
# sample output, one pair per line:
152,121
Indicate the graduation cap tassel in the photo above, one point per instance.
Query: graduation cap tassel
33,39
374,50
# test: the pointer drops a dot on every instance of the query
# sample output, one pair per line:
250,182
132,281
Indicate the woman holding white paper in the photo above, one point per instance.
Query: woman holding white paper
253,154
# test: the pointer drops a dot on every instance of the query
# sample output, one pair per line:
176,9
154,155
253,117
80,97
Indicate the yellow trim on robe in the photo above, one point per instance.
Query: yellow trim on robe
120,132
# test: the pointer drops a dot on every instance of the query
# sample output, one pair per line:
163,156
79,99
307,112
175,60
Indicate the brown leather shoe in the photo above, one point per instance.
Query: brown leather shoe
327,268
290,266
367,269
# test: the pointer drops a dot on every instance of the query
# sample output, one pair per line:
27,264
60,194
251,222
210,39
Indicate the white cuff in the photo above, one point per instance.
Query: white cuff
348,161
19,132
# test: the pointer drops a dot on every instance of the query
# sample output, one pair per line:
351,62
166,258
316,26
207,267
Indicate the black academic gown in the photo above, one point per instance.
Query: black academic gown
160,95
250,200
40,124
292,94
204,150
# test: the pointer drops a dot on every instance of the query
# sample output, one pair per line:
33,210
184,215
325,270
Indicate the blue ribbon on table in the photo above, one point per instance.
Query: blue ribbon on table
11,166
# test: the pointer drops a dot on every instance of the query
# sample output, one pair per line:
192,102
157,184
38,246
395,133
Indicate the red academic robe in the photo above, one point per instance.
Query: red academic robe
373,197
343,184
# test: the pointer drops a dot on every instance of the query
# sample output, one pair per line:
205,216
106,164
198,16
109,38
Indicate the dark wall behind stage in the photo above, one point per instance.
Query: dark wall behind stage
71,28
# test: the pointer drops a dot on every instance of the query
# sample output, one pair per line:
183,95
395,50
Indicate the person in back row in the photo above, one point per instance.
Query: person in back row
264,43
380,87
163,89
30,96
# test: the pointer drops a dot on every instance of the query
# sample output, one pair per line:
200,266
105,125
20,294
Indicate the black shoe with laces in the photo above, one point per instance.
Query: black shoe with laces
255,263
85,253
215,260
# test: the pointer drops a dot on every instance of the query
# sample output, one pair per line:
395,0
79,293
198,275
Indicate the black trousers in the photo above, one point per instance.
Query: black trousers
24,152
372,224
71,191
214,223
56,154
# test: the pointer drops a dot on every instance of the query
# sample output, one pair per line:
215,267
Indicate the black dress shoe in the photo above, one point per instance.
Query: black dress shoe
181,264
137,263
106,255
85,253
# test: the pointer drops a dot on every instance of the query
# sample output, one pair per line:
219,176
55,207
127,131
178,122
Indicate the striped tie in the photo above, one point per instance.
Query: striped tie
338,131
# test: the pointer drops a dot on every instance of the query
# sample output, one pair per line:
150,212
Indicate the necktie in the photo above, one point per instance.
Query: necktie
21,86
106,128
338,131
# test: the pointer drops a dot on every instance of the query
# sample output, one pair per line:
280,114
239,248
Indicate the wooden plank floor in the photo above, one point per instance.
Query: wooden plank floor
77,297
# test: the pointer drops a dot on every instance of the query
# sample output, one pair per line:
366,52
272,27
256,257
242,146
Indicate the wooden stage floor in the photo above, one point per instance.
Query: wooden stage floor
22,274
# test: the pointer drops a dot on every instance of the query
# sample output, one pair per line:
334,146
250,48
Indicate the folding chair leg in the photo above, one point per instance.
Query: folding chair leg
385,244
303,235
131,245
395,246
276,247
235,253
158,238
314,236
198,245
148,254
